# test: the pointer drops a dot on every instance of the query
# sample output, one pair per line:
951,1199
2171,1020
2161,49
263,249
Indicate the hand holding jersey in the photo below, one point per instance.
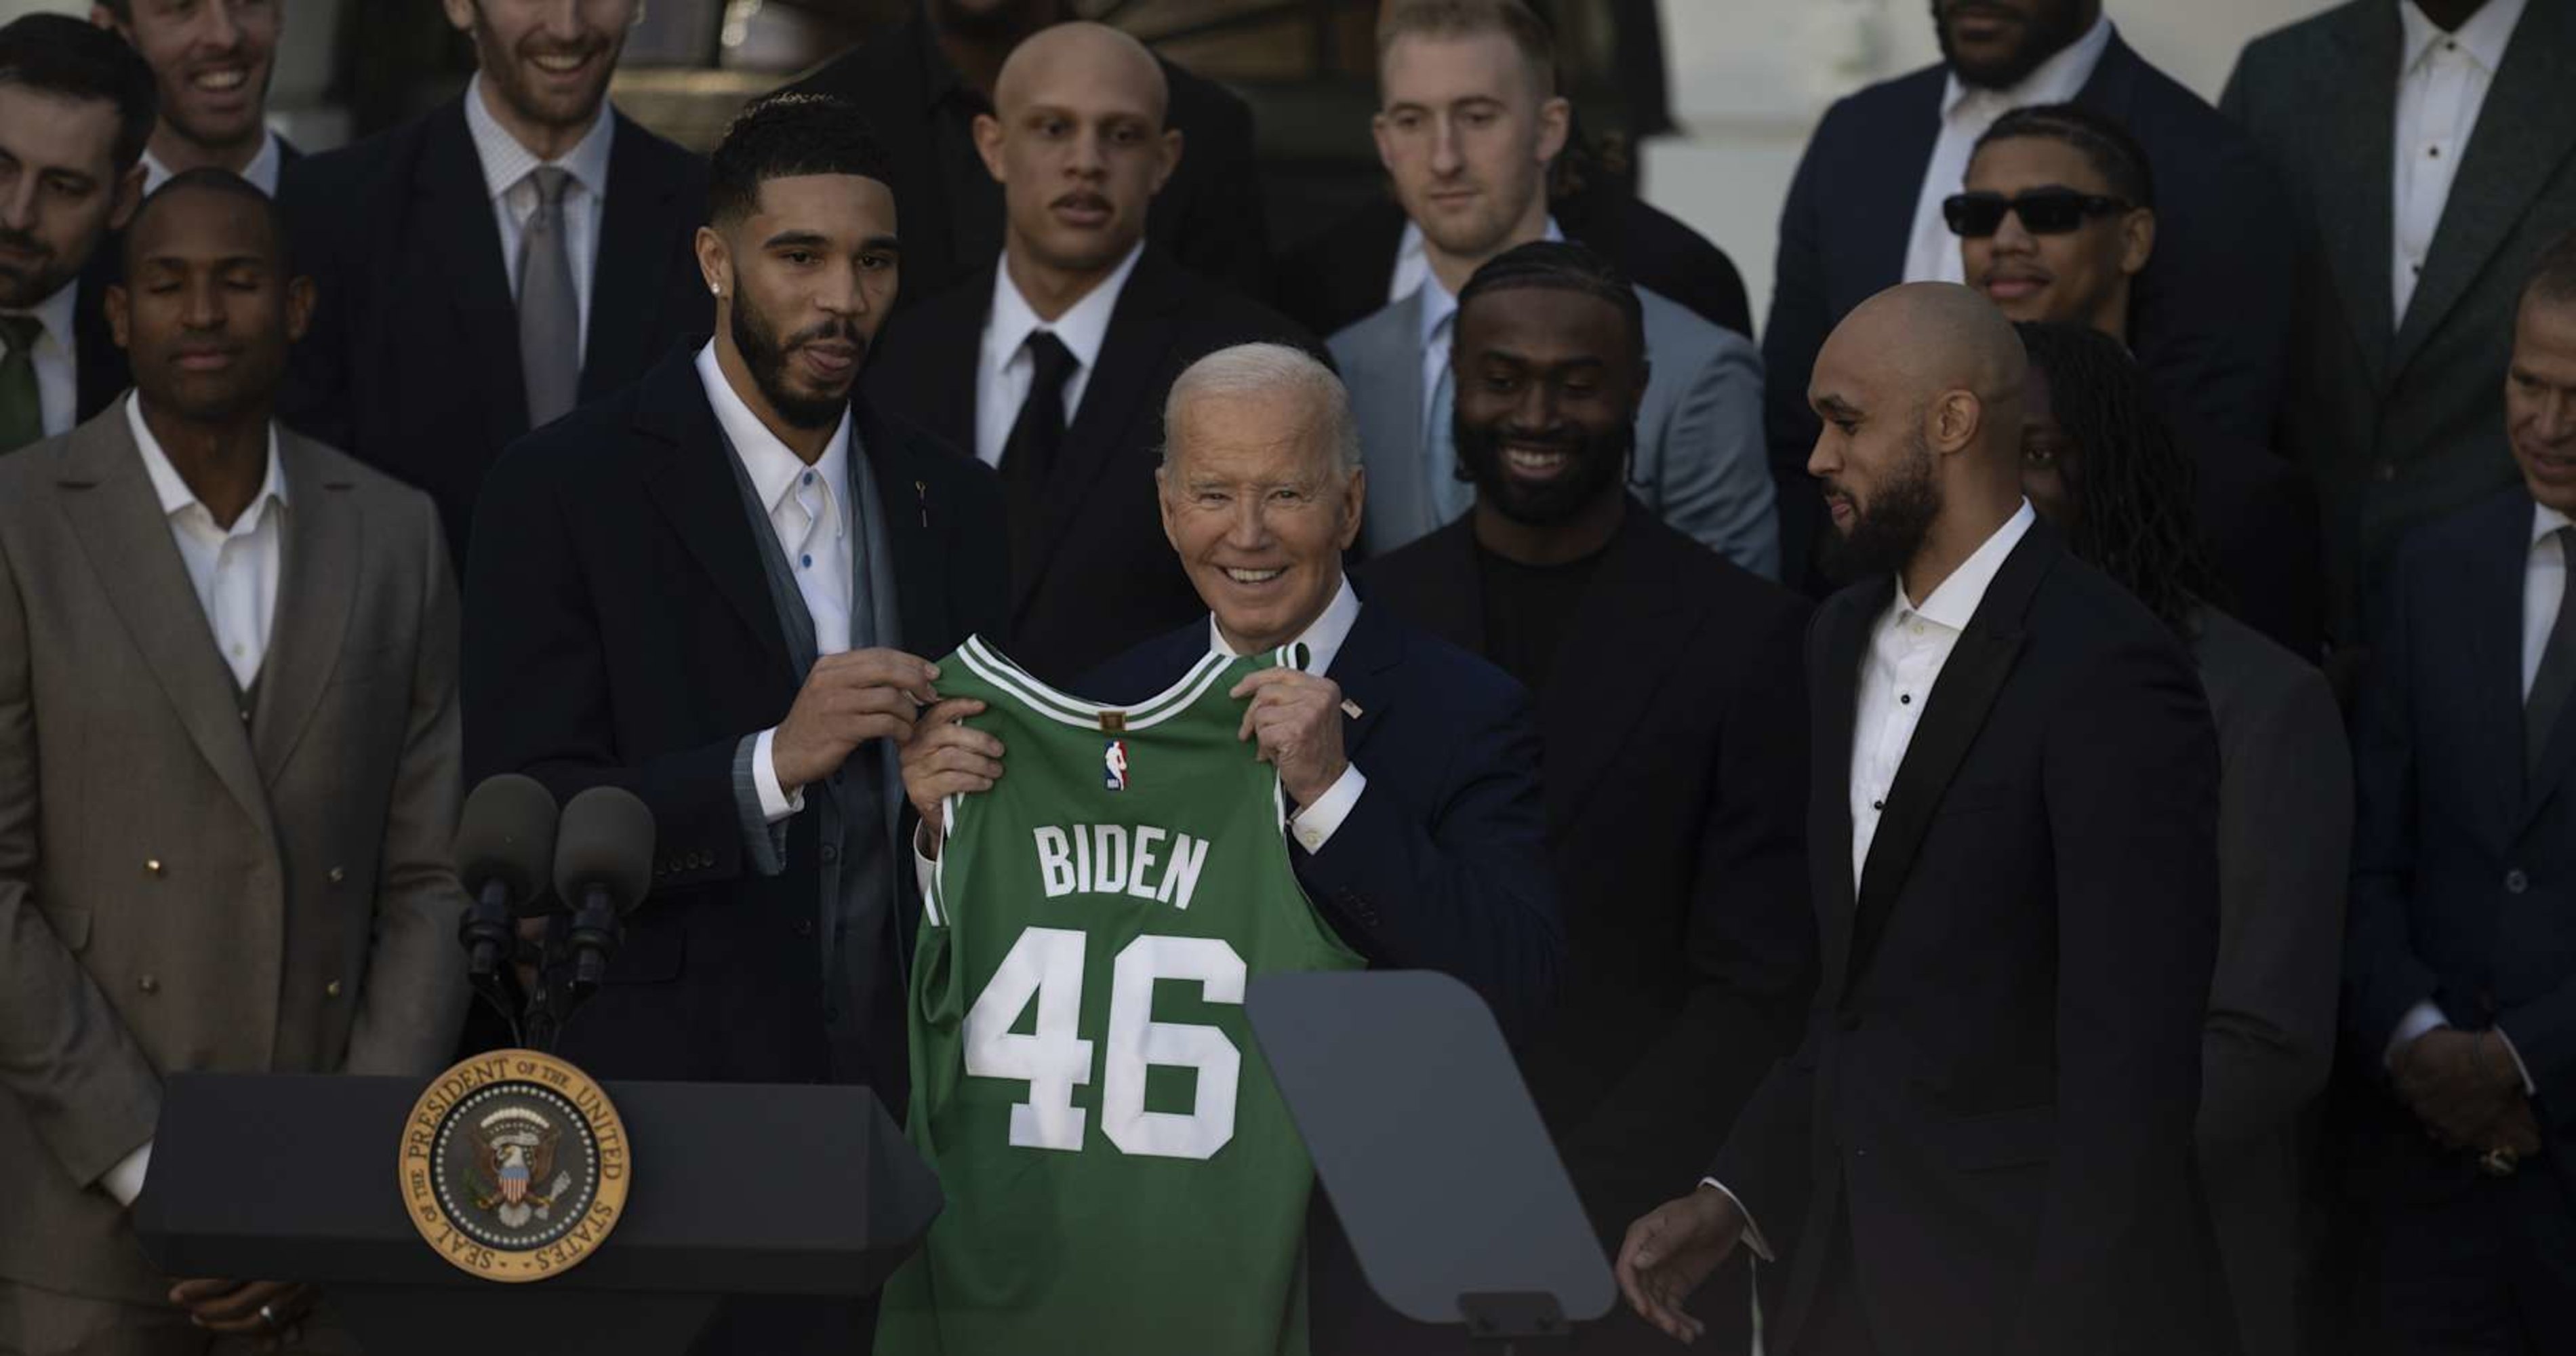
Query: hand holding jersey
1297,717
848,699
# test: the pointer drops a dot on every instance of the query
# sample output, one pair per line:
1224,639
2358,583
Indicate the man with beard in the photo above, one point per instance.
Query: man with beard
710,588
1692,952
1469,123
213,60
76,107
484,268
924,83
2212,310
1984,1142
1053,363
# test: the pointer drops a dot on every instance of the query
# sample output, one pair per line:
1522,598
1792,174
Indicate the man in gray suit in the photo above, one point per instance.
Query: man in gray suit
228,778
2433,143
1468,125
2099,463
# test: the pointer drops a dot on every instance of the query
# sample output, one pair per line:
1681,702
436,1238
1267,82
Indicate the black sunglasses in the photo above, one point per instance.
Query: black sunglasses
2049,211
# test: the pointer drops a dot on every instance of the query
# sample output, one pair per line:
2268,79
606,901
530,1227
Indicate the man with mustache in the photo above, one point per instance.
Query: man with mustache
1469,123
270,630
2213,309
486,267
2055,222
76,107
1052,364
213,60
711,588
1984,1142
1672,717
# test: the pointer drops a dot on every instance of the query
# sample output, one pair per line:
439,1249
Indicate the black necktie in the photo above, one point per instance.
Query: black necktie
1028,457
2551,686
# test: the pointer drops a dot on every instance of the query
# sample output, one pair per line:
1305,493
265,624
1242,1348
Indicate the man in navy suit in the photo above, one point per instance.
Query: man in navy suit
2460,959
2212,311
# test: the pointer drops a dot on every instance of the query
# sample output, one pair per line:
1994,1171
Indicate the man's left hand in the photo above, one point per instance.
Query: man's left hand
1297,719
2455,1087
234,1307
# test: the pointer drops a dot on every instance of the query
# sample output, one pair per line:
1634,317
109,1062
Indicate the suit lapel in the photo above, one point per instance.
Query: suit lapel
2355,208
1834,691
636,226
2524,132
917,527
317,585
126,538
1888,199
696,491
1375,645
1627,611
1952,716
458,231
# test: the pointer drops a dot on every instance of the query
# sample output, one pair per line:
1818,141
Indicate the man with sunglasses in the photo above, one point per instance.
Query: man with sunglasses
2055,224
1864,213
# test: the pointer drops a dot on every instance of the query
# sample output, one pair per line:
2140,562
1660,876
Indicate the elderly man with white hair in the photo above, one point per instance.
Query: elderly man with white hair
1410,766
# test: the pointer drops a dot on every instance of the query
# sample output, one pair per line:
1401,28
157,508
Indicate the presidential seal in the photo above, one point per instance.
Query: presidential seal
514,1166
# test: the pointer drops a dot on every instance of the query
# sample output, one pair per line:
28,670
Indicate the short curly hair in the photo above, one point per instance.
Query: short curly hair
785,136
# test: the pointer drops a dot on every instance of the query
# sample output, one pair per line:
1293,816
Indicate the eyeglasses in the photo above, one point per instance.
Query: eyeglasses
2049,211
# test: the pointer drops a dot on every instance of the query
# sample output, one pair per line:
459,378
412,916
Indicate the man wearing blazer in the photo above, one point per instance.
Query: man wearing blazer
485,268
2431,151
76,107
228,777
924,82
1051,362
1984,1142
2212,311
1672,719
2460,962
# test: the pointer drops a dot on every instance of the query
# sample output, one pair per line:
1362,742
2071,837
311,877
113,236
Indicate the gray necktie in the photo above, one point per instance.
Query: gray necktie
1448,497
2557,677
549,308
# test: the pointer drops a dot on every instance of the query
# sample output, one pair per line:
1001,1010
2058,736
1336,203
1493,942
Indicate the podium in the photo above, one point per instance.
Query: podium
739,1189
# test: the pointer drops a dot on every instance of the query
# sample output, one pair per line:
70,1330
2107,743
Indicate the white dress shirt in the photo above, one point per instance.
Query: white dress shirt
507,166
261,171
809,512
2544,584
2441,85
1315,825
1005,368
234,571
56,359
1908,647
1966,112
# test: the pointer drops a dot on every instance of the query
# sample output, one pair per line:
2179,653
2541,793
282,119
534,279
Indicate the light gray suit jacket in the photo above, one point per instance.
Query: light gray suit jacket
1700,462
187,881
2284,837
2403,423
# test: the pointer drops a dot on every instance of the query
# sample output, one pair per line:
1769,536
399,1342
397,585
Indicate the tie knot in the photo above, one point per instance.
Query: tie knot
21,332
551,181
1052,360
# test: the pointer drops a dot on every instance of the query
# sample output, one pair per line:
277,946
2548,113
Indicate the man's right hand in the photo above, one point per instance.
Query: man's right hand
848,699
1671,1251
944,758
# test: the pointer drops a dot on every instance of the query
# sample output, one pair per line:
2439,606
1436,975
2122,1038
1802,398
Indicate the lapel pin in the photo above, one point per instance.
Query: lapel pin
921,496
1350,708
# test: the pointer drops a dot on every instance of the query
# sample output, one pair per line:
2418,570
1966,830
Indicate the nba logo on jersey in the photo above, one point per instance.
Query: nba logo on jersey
1113,766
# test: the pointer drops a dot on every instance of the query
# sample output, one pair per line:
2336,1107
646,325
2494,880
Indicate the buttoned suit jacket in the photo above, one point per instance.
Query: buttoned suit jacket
188,882
1698,461
2403,423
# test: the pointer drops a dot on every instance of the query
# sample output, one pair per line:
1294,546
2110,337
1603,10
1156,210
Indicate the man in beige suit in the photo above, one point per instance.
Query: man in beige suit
228,779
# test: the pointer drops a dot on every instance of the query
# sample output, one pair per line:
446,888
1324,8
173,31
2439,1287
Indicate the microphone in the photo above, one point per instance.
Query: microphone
505,845
603,867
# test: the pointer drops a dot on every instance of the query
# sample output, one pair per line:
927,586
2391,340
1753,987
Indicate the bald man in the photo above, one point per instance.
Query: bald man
1051,364
1984,1141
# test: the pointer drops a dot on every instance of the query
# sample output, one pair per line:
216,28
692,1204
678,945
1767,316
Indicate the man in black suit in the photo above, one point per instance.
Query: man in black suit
76,107
925,82
2460,963
2212,311
1984,1143
490,265
212,60
1672,716
708,588
1051,362
2055,222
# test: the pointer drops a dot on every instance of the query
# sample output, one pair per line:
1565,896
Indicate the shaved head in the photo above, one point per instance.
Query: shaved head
1920,391
1094,57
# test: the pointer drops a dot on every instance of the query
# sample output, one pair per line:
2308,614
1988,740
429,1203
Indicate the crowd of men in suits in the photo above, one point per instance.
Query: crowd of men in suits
2136,912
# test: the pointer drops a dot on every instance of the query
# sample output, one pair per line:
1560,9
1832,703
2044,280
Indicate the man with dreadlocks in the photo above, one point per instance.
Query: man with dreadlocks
1672,720
2057,222
2100,465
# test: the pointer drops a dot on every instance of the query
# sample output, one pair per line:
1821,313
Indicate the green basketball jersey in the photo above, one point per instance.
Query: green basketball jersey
1122,1177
